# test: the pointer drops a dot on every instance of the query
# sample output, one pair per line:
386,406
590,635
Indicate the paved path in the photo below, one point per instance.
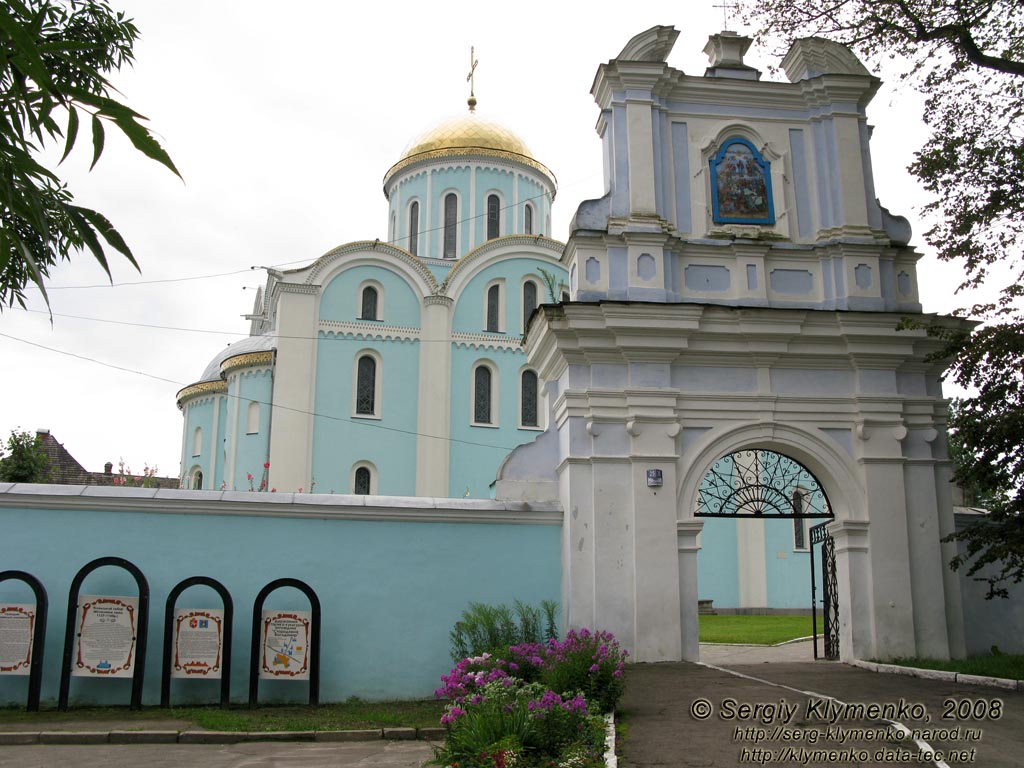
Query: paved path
662,711
382,754
664,703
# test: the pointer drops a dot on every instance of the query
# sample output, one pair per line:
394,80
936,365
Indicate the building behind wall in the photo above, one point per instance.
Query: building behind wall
395,367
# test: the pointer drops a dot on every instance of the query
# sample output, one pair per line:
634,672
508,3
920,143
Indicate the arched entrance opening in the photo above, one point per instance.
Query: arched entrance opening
751,567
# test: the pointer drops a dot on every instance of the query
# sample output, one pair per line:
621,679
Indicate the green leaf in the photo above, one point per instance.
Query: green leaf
89,238
35,272
27,59
145,143
106,229
72,132
97,140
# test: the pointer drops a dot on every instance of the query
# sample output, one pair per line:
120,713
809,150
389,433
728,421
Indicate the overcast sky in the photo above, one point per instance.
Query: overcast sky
282,120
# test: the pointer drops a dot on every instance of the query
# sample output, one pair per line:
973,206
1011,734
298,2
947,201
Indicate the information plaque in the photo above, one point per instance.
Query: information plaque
285,640
105,636
17,625
198,643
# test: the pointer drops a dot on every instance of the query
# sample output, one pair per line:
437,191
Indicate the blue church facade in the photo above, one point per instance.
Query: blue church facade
394,368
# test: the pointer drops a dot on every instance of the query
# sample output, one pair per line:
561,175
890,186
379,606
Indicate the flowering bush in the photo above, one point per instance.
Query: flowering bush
493,628
591,662
125,476
263,479
506,722
532,704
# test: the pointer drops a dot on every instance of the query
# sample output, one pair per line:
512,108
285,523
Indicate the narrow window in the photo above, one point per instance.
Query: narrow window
368,305
528,219
451,215
197,480
565,296
529,300
252,419
197,441
366,386
482,395
493,216
414,228
361,483
528,407
493,302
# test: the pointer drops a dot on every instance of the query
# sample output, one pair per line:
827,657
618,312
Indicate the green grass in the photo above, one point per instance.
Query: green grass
756,630
1004,665
353,713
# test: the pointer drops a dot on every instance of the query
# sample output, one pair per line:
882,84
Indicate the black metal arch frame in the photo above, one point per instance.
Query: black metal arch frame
254,656
761,483
229,615
35,669
141,632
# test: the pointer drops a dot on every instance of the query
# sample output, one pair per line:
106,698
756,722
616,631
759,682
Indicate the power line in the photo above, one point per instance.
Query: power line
240,335
288,263
354,422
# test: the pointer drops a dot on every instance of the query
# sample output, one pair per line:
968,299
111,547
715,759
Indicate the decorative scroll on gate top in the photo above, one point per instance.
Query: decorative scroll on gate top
761,483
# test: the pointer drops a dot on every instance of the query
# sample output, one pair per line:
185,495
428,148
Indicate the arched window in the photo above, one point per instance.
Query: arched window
528,396
197,480
366,386
529,300
361,481
528,219
493,216
197,441
451,216
482,395
368,304
252,418
414,228
494,309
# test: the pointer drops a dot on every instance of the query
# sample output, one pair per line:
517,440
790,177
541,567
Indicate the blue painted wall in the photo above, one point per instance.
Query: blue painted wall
251,450
341,299
340,440
717,577
390,591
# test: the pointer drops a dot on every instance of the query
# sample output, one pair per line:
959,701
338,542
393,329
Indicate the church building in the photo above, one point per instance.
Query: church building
395,368
712,363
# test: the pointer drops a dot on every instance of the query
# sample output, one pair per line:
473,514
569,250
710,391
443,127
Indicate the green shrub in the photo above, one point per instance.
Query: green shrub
493,628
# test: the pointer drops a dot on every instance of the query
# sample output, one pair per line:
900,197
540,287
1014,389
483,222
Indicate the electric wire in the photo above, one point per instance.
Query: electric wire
354,422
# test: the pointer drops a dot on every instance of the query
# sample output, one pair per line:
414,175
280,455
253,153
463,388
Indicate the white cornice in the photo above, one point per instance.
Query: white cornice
369,330
285,505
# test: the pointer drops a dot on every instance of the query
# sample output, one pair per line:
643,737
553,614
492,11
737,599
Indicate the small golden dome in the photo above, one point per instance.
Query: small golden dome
467,135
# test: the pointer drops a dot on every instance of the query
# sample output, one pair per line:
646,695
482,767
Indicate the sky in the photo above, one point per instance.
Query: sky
282,120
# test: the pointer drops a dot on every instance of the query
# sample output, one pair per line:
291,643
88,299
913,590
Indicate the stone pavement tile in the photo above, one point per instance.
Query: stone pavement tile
377,754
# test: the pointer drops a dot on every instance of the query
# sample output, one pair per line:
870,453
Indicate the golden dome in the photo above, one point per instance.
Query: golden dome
467,135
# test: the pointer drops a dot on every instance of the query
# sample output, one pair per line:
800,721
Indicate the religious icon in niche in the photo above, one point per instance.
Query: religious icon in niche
741,185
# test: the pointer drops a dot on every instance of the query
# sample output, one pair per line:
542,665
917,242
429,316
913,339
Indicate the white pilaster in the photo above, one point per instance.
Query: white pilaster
433,413
291,440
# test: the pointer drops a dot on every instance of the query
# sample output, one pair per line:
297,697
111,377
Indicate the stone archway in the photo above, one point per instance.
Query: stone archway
742,490
752,471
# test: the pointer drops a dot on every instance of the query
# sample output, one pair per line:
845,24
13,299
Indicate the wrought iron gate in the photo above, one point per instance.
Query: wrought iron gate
830,592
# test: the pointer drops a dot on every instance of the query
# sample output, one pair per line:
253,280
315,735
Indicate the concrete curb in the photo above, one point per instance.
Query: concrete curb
18,738
143,737
940,674
13,738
